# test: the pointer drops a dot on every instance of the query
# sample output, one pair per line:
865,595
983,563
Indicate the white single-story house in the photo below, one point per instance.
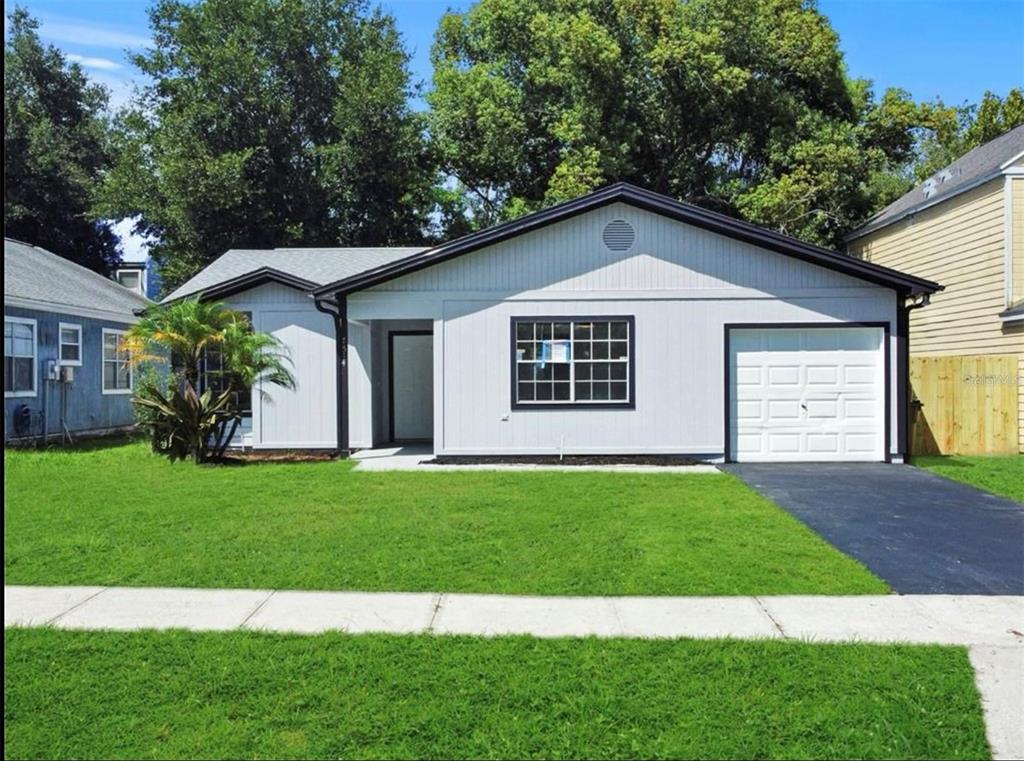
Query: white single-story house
619,323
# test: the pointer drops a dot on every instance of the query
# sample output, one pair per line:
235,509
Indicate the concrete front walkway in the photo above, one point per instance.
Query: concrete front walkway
992,627
415,458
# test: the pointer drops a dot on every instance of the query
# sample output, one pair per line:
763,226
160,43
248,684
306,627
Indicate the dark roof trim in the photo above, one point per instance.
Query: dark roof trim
643,199
249,280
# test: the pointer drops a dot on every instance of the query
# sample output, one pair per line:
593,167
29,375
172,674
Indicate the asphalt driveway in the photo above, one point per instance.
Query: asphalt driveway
921,533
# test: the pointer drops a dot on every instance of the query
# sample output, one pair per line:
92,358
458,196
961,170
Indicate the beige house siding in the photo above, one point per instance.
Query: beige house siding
959,243
1017,236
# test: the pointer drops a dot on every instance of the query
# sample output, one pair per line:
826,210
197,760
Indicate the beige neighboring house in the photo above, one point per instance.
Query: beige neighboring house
963,227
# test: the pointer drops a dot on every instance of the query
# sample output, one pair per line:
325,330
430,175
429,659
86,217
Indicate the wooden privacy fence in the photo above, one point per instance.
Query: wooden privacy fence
965,405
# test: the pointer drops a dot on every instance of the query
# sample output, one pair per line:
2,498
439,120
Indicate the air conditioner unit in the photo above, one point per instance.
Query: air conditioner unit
67,374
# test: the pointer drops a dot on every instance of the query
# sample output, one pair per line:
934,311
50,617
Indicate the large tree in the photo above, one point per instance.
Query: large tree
740,105
956,130
270,123
55,149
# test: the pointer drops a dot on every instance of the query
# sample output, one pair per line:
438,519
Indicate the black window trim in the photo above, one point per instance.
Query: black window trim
629,404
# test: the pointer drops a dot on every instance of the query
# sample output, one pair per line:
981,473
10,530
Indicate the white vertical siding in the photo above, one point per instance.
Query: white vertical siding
361,365
682,285
303,418
679,354
571,256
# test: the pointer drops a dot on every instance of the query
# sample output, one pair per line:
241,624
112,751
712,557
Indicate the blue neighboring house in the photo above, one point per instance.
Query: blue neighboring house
65,365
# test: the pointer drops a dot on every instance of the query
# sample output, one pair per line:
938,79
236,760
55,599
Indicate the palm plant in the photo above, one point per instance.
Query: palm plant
184,419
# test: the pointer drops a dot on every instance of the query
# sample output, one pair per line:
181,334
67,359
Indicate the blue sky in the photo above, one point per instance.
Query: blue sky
949,49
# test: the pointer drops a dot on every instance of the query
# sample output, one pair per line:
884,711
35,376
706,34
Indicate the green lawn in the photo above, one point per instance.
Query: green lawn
999,474
246,695
118,515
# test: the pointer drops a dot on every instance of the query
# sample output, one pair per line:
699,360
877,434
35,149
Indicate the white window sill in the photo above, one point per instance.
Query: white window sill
19,394
70,363
116,391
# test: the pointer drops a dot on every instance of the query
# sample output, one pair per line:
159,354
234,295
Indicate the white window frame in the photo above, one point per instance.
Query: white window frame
61,327
35,357
139,287
104,361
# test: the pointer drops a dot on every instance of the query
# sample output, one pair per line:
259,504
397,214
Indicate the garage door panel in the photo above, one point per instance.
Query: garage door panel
822,375
784,375
749,376
749,443
823,443
861,409
783,410
784,443
860,375
749,409
807,394
822,408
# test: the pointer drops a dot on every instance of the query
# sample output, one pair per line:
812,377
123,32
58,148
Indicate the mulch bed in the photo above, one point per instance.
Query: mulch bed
274,455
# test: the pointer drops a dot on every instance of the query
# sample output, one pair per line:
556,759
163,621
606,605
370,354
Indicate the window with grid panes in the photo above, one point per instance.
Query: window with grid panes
573,361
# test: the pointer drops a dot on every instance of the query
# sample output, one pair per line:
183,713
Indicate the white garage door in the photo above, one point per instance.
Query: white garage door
807,394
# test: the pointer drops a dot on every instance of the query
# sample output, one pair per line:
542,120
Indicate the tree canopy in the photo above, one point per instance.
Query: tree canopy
739,105
270,123
55,148
955,131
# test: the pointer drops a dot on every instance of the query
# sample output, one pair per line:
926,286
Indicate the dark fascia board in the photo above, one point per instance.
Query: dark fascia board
250,280
653,202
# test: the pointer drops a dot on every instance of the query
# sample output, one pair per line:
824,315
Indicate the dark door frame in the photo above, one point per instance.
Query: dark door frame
391,380
887,370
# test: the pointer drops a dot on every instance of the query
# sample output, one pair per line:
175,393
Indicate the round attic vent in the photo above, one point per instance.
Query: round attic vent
618,235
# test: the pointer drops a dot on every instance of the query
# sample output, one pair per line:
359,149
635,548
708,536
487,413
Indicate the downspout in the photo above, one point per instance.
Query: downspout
904,390
337,308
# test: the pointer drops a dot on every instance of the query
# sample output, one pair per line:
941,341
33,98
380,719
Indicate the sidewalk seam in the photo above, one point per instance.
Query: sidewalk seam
257,609
776,624
438,602
74,607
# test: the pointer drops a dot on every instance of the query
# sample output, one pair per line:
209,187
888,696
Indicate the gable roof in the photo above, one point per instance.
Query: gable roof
644,199
35,278
302,268
974,168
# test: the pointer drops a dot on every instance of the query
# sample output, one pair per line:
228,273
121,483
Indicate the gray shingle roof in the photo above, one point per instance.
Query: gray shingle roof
970,170
316,265
54,283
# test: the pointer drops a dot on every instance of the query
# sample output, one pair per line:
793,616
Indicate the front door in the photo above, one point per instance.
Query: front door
411,365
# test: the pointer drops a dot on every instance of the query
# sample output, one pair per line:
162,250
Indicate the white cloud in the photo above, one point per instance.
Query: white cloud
74,31
90,62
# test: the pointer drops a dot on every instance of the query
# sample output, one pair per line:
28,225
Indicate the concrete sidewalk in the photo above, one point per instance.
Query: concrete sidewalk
992,627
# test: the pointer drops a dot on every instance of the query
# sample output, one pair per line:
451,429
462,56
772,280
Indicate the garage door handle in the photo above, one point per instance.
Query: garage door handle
803,406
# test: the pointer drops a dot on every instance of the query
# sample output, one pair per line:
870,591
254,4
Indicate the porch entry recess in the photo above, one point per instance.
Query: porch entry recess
411,385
